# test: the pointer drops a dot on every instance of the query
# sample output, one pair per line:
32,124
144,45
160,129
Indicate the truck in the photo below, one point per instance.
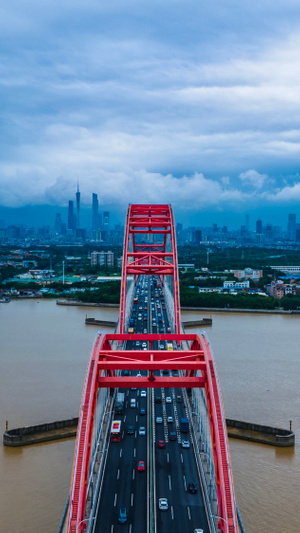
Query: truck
184,425
120,403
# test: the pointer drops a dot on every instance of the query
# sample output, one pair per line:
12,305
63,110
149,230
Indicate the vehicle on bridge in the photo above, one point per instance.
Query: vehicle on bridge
115,434
184,425
120,403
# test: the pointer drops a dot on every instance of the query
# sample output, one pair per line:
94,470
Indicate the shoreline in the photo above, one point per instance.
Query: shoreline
65,301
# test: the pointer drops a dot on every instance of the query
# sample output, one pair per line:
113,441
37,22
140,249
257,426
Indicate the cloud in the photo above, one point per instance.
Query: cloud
253,178
150,103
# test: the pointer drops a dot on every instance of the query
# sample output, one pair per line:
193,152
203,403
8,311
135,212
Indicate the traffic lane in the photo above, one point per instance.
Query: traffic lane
162,473
195,501
119,481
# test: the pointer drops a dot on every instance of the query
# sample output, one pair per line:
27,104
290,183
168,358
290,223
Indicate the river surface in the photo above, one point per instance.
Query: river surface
44,349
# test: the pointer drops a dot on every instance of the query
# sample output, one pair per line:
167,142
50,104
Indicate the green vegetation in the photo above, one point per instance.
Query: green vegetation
191,298
108,292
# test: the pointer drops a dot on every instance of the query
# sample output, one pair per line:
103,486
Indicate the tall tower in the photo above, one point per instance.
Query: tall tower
95,214
71,216
259,227
78,207
247,223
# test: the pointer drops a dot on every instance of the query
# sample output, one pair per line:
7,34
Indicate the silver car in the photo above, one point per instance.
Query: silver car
163,504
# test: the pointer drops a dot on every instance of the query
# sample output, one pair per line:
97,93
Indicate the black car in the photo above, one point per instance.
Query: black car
172,435
157,399
192,487
130,430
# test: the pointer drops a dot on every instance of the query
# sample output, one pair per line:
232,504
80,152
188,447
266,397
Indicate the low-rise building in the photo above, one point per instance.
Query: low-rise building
248,273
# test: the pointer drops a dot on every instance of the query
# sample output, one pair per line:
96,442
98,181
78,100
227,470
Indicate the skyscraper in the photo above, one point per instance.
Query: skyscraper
95,214
78,207
71,216
259,227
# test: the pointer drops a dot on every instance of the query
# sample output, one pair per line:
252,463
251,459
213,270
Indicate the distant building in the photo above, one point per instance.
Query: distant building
278,289
95,214
59,225
236,284
248,273
259,227
71,216
103,258
289,270
78,208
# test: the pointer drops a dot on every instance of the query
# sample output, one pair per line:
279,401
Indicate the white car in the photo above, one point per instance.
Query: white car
168,399
142,431
143,394
144,345
185,444
159,420
163,504
170,419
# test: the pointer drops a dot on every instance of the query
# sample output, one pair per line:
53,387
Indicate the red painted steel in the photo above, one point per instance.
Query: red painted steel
150,258
195,363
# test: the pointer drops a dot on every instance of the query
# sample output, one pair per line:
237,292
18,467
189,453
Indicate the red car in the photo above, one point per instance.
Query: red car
141,466
161,444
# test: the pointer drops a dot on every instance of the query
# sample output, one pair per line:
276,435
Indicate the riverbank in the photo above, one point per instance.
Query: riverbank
67,301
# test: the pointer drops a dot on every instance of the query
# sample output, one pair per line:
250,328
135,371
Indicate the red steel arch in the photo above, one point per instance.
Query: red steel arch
149,257
196,363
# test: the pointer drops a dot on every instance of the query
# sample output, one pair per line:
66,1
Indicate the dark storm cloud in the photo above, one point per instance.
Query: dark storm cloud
161,102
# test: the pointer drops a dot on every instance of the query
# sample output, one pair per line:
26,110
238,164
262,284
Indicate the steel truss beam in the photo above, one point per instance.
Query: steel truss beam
197,369
149,258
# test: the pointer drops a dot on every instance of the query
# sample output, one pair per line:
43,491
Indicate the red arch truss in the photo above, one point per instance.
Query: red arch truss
143,254
197,370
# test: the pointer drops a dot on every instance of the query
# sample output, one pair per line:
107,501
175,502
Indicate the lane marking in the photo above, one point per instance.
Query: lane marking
118,474
132,496
189,513
121,452
115,500
133,474
172,512
134,452
184,482
181,457
168,457
170,483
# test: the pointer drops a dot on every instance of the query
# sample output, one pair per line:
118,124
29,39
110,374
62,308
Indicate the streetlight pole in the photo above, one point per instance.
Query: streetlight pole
219,518
84,520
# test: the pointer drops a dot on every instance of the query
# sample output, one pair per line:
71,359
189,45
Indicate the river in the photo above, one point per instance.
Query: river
44,350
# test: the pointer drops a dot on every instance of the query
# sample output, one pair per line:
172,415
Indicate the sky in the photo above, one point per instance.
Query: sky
189,103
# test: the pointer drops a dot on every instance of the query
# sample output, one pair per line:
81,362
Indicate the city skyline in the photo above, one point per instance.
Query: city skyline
93,219
188,105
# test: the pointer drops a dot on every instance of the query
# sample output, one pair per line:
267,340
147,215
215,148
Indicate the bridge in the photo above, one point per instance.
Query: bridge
151,452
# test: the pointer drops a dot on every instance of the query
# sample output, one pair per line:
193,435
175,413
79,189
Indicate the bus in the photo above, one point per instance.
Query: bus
115,434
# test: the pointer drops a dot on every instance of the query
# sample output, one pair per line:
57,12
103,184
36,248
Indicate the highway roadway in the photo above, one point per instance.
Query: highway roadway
123,486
